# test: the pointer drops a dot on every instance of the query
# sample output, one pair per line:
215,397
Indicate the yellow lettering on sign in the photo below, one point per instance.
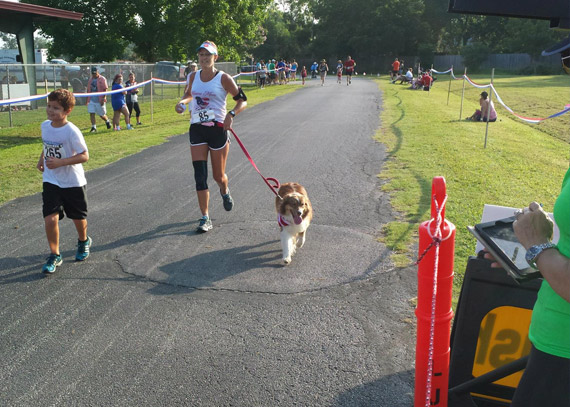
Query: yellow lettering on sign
503,338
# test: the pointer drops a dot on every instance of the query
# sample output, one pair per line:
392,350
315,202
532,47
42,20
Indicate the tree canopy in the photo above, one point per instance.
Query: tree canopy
159,29
168,29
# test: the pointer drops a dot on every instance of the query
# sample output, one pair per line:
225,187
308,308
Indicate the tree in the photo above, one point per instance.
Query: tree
9,41
529,36
284,37
159,29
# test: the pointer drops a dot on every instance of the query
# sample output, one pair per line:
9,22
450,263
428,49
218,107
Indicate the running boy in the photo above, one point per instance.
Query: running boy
64,150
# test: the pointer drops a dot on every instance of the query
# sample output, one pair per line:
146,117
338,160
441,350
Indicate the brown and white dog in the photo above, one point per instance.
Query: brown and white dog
294,214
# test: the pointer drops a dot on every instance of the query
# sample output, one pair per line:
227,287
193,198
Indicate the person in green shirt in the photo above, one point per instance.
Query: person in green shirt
546,379
272,74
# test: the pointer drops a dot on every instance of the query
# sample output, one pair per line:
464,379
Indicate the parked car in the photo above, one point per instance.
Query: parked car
47,71
168,70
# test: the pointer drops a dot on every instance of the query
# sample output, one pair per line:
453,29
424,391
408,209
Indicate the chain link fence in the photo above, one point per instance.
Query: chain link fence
17,82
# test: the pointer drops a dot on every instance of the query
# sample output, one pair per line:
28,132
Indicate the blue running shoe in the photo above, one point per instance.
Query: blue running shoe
228,201
205,224
52,262
83,249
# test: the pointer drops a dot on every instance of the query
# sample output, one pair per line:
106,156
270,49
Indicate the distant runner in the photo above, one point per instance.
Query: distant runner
339,71
349,69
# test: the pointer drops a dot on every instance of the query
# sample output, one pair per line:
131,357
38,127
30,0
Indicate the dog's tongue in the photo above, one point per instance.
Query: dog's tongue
296,218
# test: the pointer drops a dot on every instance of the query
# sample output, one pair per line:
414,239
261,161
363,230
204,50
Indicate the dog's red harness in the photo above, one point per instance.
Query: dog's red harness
281,221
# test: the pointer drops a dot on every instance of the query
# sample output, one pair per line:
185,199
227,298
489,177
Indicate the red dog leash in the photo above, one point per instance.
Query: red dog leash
275,186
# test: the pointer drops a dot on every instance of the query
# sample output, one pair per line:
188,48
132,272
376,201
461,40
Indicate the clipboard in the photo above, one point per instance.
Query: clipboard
499,239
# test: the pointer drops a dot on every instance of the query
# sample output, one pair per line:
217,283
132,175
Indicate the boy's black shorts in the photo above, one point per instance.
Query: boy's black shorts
71,200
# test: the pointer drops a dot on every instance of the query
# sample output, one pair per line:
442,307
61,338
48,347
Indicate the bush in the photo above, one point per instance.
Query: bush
474,55
539,69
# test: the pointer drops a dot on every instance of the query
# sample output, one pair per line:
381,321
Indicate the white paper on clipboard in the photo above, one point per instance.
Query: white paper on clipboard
495,212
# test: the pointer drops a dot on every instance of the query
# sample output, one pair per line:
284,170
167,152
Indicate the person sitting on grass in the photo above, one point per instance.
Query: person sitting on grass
408,77
487,106
427,80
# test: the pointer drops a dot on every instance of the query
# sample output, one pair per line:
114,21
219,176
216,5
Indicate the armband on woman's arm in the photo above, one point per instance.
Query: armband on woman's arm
240,95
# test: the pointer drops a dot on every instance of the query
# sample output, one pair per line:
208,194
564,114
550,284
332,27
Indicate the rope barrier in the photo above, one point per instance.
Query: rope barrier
436,240
435,243
23,99
500,100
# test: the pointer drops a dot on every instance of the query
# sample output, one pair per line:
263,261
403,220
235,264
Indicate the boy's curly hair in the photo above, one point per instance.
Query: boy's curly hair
64,97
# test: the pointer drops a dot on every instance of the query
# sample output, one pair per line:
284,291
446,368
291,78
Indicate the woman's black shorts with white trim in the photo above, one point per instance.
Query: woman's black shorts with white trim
214,136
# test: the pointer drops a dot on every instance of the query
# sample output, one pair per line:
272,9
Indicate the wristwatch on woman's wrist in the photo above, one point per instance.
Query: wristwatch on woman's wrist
232,113
534,251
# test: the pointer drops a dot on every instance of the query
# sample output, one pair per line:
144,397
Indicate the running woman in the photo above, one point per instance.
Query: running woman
349,65
339,72
210,121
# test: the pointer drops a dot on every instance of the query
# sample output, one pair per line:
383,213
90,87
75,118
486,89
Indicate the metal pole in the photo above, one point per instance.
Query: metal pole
151,99
462,93
449,88
8,86
489,108
54,78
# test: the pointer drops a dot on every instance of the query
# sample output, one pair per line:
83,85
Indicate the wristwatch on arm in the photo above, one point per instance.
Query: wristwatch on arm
534,251
232,113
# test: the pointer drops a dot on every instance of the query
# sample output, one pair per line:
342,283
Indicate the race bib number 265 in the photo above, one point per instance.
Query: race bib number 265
53,150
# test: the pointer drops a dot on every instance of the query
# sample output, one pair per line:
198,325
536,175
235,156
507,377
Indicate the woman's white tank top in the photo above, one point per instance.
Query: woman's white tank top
208,99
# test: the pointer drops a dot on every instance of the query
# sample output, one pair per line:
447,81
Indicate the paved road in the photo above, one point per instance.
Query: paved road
161,316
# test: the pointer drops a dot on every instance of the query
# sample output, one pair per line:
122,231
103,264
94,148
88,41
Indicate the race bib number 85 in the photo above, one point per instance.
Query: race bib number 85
206,116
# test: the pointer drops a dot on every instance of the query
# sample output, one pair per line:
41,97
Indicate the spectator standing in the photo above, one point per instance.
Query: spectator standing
133,98
262,76
272,74
395,69
119,104
97,105
294,67
64,151
188,69
281,71
303,74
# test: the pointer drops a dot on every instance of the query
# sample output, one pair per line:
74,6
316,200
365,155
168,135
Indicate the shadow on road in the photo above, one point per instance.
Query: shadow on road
203,270
387,391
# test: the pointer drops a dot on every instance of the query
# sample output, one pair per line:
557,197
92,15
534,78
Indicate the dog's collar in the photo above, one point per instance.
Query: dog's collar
281,221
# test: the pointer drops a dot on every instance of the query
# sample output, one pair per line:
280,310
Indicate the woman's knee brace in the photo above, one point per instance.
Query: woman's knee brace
201,174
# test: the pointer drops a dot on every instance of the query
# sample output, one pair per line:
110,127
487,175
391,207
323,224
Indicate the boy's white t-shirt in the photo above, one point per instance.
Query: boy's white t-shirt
63,142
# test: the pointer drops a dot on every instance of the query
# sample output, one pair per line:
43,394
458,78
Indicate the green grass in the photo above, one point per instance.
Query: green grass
20,146
424,138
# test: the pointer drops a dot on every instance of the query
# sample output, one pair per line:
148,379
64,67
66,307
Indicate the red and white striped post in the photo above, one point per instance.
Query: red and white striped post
433,312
